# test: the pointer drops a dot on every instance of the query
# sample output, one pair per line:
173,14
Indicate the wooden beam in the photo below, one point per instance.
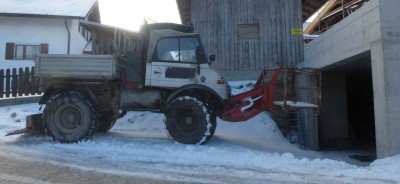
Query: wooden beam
340,9
326,8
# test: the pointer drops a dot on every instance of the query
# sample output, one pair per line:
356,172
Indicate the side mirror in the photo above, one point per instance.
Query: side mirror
211,57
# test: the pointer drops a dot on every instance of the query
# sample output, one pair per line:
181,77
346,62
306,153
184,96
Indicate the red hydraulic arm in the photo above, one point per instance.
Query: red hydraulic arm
246,105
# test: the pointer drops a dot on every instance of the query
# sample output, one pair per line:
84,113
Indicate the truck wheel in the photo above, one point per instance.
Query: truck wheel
69,117
189,122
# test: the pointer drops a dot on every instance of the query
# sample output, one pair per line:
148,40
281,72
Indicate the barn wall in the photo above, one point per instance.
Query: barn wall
248,35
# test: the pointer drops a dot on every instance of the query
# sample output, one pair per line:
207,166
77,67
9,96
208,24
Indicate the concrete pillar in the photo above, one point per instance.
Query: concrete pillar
385,55
378,80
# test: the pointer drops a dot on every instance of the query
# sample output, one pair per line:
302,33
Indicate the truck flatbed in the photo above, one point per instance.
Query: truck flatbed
78,66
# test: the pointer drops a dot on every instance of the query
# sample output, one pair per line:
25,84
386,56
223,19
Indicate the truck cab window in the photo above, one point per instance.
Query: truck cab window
168,49
178,49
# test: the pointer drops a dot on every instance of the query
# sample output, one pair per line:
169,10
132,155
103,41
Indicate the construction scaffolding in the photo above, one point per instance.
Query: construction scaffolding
296,104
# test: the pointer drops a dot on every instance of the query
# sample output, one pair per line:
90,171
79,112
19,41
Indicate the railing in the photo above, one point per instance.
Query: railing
299,88
17,83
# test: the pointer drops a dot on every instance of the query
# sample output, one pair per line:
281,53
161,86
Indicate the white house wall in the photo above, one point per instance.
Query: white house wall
28,30
78,42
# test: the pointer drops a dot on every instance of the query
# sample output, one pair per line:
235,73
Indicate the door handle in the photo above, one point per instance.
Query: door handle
157,72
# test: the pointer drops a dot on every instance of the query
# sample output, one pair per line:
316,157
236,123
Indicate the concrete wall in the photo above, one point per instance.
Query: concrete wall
352,36
374,28
386,77
28,30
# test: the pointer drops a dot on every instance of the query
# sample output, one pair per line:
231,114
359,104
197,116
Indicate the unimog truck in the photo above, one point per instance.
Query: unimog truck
168,73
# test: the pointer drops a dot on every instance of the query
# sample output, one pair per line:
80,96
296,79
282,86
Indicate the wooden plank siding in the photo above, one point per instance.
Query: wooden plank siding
222,23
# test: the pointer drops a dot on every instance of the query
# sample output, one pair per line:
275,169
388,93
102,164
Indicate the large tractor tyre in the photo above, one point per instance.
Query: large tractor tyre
188,121
69,117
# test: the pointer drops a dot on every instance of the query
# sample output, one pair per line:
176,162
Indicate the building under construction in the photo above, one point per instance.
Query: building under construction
355,46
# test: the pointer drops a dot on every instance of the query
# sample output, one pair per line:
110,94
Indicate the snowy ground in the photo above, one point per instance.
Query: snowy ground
138,146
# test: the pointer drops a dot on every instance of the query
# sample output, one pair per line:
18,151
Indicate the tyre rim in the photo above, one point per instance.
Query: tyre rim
70,118
187,122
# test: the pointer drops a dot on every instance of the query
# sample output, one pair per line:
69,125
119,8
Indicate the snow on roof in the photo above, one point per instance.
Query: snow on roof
68,8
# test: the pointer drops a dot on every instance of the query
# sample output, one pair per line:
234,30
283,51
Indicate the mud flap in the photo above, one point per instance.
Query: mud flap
34,125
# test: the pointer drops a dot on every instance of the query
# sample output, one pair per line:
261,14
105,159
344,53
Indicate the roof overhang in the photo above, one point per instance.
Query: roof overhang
185,10
103,27
308,8
40,16
62,9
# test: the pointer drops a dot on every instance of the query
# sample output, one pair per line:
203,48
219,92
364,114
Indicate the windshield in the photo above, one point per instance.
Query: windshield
177,49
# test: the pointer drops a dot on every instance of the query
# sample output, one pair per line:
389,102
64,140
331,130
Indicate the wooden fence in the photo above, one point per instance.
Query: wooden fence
21,82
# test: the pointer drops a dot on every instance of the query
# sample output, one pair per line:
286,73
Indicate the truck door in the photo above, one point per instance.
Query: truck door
174,62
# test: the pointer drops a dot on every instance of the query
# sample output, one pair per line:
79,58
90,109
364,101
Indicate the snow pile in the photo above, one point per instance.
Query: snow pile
296,104
238,87
139,139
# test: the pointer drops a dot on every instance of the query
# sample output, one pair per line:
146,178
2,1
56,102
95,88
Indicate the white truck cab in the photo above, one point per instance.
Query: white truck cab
176,59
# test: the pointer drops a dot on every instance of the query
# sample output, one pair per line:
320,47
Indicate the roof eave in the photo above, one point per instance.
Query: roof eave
94,6
40,16
184,8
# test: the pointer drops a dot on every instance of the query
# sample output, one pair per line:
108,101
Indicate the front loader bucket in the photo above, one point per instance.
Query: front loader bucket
246,105
34,125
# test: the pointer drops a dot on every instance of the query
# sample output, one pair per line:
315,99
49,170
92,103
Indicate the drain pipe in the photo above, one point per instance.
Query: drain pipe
69,36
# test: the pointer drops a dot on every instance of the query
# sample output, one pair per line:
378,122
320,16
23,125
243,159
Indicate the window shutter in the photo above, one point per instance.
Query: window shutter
44,48
248,32
9,51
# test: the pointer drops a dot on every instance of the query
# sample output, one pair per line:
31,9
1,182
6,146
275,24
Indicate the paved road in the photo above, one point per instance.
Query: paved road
23,171
17,168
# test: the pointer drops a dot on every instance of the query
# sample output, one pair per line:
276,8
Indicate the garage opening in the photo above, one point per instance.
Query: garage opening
347,108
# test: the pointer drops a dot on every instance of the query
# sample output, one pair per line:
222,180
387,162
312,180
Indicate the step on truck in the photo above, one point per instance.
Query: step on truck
168,73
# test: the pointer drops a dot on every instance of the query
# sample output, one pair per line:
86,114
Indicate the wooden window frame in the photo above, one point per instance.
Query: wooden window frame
12,49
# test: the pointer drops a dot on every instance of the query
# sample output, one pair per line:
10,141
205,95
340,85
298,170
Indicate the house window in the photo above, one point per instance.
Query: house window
248,32
25,52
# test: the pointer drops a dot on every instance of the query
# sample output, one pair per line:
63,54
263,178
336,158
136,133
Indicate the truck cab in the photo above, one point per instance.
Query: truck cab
170,63
177,59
